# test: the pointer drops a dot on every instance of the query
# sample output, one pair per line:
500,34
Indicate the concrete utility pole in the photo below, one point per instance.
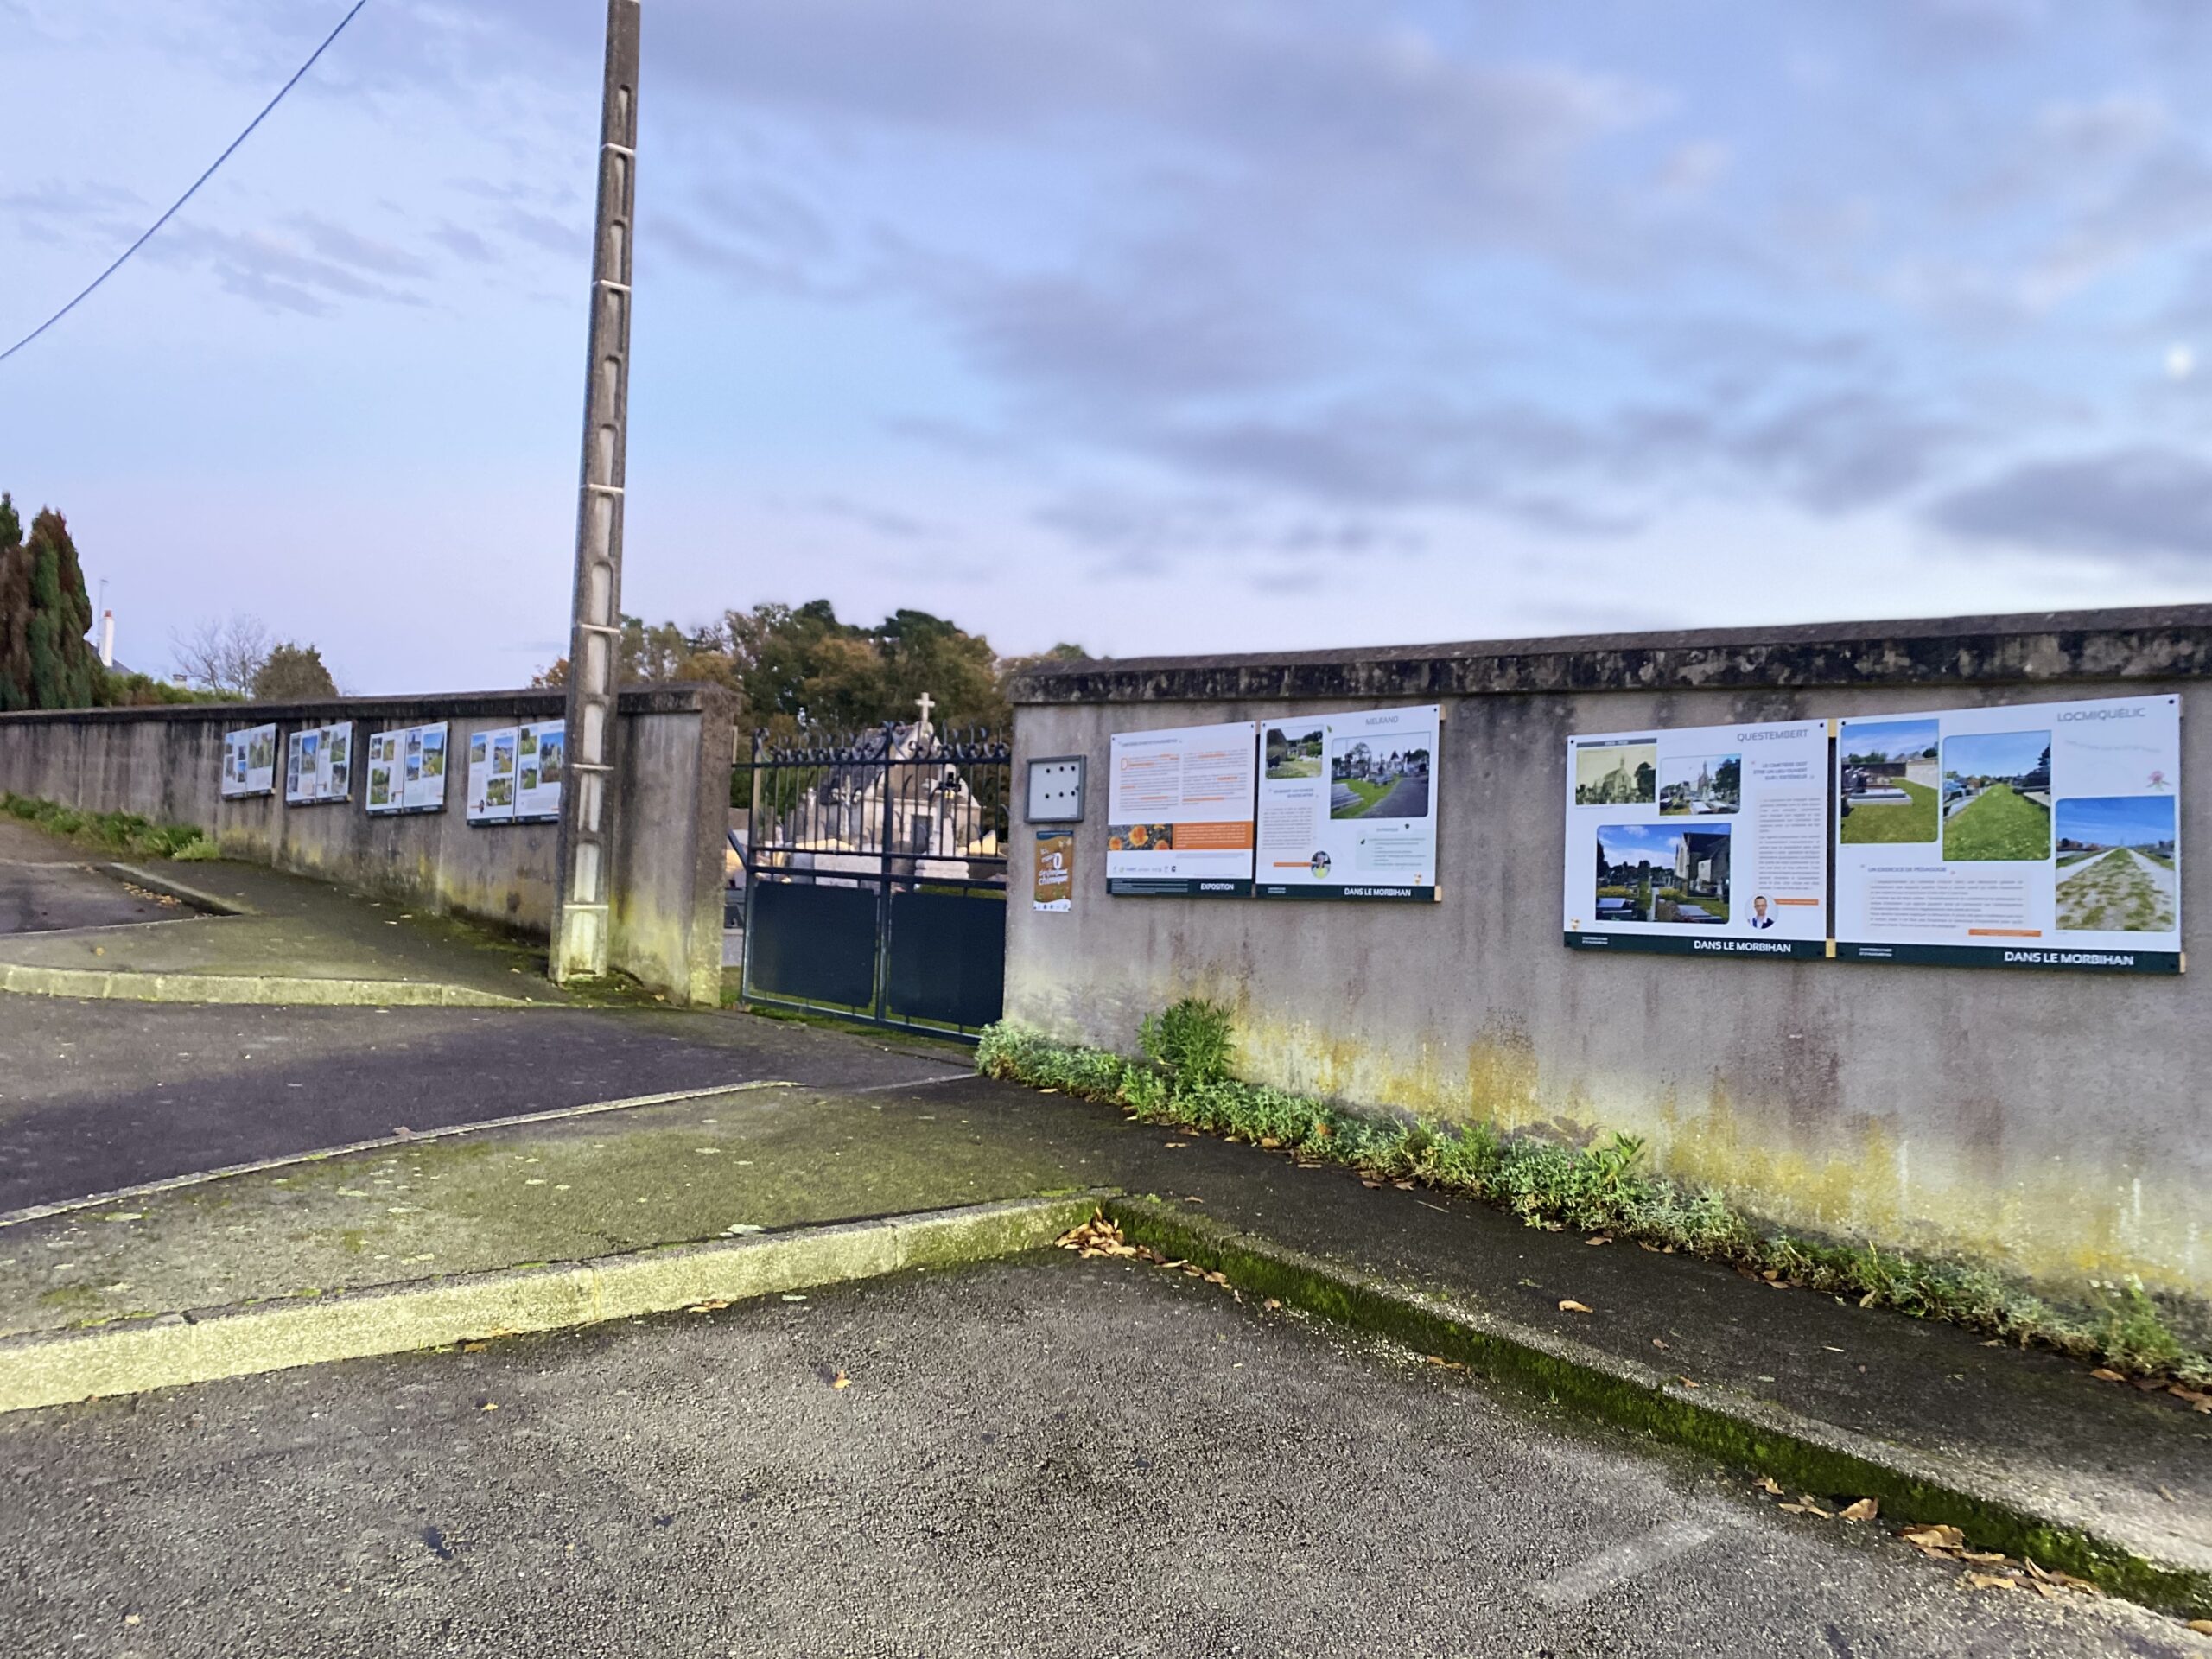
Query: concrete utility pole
581,924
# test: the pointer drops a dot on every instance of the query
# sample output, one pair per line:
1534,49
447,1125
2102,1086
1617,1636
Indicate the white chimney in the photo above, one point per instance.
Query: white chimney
107,638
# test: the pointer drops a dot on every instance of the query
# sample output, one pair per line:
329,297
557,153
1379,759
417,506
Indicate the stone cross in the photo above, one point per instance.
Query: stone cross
925,703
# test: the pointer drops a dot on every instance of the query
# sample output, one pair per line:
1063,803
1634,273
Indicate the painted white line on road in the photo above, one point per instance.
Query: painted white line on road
1621,1563
916,1083
414,1137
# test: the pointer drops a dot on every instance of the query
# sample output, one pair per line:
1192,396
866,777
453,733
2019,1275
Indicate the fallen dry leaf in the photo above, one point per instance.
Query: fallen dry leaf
1570,1306
1176,1145
1937,1536
839,1380
2202,1626
1865,1509
1600,1239
1657,1343
2105,1374
1271,1304
1403,1186
2202,1401
1769,1486
488,1405
715,1306
1370,1184
1812,1506
1269,1142
1686,1382
1993,1581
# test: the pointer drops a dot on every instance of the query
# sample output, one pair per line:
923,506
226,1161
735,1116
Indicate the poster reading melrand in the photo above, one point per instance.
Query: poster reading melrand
1178,810
407,769
2039,836
250,761
1702,841
318,764
1348,805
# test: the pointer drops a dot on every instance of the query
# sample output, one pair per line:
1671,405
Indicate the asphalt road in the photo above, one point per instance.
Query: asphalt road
1045,1457
100,1095
42,897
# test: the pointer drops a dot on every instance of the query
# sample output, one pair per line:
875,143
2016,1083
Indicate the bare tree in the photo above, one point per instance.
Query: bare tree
221,655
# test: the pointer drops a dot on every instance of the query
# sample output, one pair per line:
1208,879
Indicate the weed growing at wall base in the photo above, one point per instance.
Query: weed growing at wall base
1183,1081
114,832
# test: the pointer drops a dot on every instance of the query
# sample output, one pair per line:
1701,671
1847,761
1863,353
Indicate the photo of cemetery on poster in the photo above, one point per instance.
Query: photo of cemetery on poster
1178,810
2036,835
1348,805
1700,841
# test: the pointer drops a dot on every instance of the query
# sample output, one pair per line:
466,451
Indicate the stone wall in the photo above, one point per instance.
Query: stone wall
674,742
2054,1123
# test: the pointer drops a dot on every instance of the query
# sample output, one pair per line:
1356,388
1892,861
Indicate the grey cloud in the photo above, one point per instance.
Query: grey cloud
277,273
1848,449
2142,502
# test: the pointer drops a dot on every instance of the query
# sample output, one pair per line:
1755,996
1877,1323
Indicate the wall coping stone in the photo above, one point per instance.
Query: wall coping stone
2040,647
528,703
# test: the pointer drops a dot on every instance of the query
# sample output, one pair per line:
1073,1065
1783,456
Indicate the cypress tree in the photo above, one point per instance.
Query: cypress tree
14,611
56,665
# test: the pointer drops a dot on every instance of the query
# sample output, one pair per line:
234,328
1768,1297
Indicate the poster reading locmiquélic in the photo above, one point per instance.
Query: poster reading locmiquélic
1178,809
1348,805
1705,841
2036,835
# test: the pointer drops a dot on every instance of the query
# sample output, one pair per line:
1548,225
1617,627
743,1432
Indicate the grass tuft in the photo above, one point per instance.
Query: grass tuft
113,832
1183,1081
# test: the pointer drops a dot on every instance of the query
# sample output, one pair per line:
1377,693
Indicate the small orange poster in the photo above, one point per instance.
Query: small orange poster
1055,885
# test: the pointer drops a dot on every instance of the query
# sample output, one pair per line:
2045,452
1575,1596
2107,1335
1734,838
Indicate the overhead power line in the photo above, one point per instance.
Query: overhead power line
196,183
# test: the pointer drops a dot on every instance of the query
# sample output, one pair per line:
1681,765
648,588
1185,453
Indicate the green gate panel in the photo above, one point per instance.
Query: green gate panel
812,943
948,958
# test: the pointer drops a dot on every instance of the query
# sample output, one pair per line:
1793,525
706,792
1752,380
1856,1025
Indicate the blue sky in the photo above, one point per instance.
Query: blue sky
1265,323
1628,843
1993,755
1899,740
2118,820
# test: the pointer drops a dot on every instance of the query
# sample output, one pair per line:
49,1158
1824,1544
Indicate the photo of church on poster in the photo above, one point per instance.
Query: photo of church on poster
1348,805
2041,835
1698,841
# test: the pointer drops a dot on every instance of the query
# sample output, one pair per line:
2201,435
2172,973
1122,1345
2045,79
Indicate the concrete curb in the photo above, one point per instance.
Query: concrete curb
264,990
1753,1434
176,1348
159,881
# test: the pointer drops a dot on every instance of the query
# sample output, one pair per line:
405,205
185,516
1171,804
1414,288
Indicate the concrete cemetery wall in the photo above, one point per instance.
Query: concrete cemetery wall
166,764
2055,1122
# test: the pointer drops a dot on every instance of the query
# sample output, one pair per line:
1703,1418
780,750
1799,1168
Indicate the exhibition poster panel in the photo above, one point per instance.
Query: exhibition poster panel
422,767
2036,835
484,802
250,761
540,756
335,767
1700,841
383,789
317,764
1179,811
1348,805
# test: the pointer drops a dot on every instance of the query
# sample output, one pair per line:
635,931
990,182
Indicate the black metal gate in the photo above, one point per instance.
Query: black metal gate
875,878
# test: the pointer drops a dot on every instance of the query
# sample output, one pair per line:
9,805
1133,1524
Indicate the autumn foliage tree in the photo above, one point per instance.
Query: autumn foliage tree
801,667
